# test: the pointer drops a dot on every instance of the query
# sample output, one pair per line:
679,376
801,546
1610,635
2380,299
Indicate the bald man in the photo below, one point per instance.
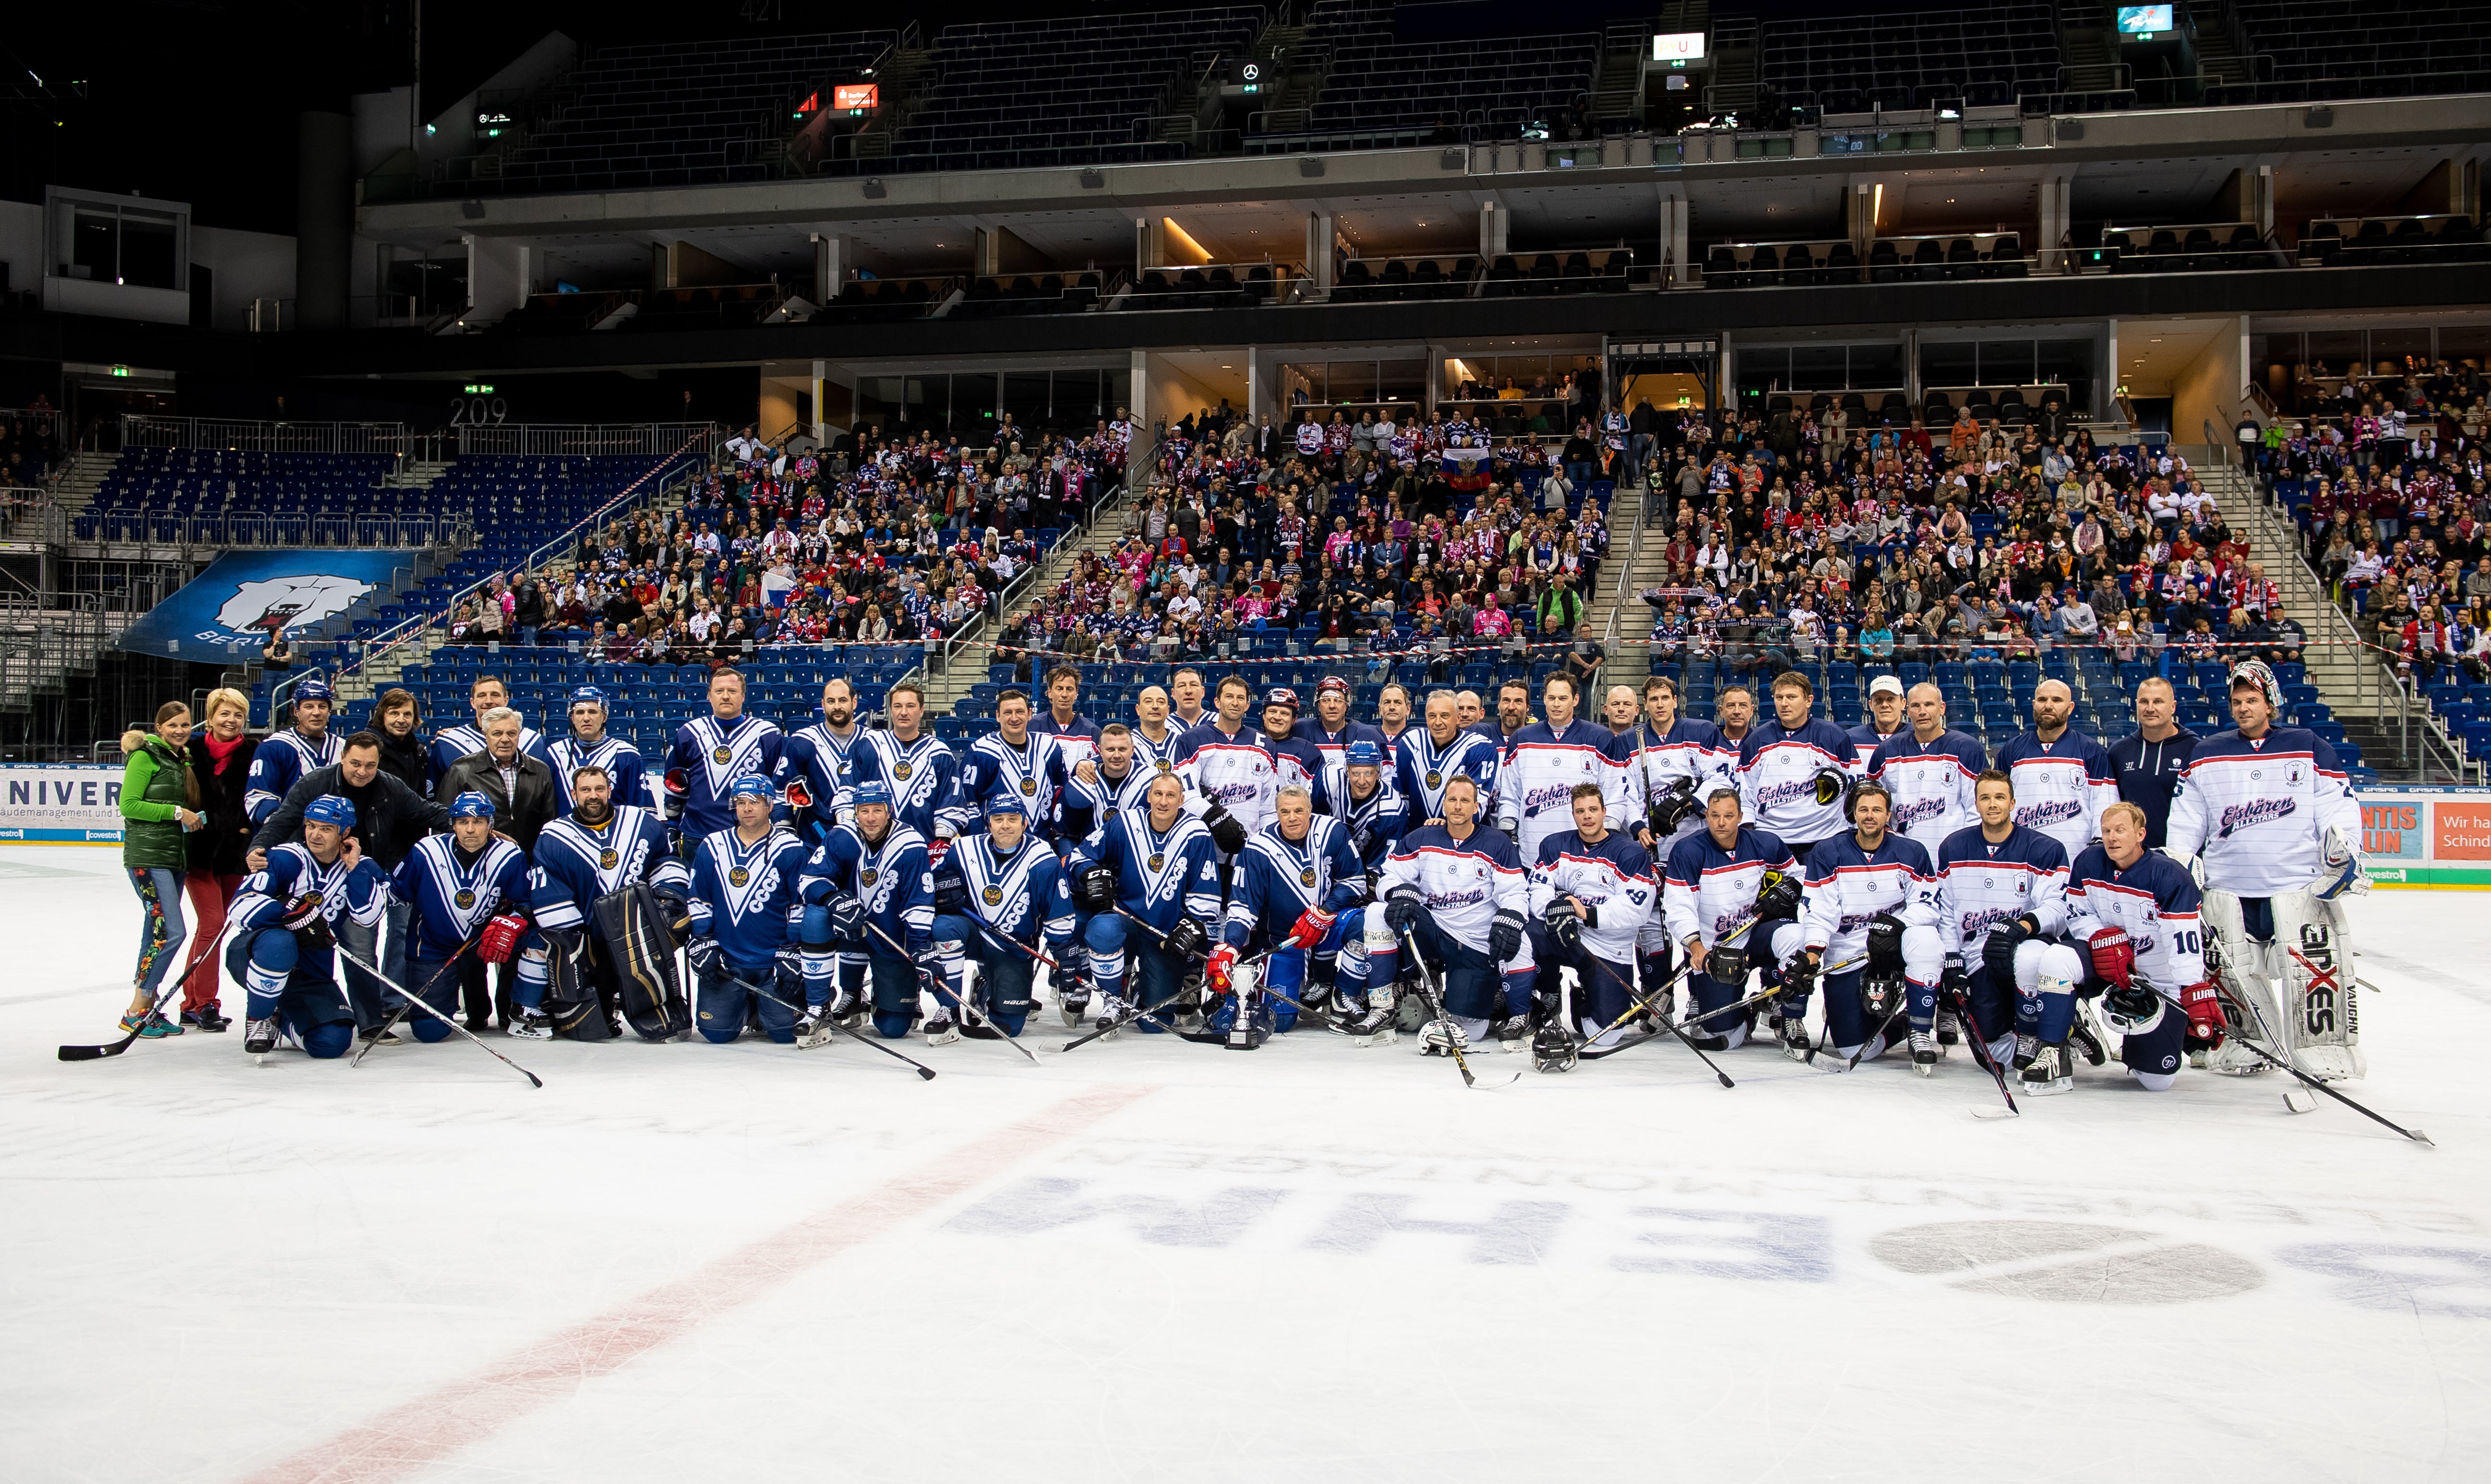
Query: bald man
1619,712
2064,780
1928,767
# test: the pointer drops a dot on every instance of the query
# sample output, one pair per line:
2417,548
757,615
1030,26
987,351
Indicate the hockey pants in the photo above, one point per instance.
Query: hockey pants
1478,991
1847,1027
439,983
294,985
1602,989
728,998
1157,973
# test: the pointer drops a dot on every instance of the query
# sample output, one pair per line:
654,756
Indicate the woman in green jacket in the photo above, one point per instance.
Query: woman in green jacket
159,798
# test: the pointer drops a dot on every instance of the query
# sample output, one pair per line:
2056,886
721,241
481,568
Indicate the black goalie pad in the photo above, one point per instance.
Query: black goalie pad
571,1000
631,934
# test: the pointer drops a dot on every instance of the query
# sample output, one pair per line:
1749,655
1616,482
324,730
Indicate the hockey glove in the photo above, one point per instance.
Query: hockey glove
501,938
2114,957
1778,897
2206,1022
1885,944
1799,976
1095,889
1673,809
919,944
1505,937
564,940
1403,909
1214,968
798,796
1311,926
1188,937
704,955
2342,872
951,894
1226,832
308,924
679,786
935,850
1998,952
1727,964
1955,985
847,918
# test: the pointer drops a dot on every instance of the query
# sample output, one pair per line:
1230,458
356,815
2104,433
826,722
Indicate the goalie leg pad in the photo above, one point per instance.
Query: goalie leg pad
632,928
2237,962
2321,1021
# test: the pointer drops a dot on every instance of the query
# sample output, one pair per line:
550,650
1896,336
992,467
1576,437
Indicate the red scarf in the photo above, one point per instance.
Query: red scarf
222,752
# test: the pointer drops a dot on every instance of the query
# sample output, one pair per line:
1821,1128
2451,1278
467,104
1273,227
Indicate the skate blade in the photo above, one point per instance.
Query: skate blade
1925,1068
2048,1089
812,1040
1384,1037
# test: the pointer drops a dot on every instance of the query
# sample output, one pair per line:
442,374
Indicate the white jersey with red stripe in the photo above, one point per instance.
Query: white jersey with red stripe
1655,761
1613,877
1234,770
1980,884
1931,783
2259,812
2061,787
1537,777
1848,887
1463,883
2154,902
1709,892
1778,766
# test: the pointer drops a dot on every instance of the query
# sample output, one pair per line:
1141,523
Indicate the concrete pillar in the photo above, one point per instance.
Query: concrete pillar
1677,271
1150,244
324,196
497,277
831,261
2058,193
1145,444
1434,387
1496,226
821,423
1319,251
2247,195
1862,217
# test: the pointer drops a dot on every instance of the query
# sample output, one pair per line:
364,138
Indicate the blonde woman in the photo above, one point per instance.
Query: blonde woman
220,768
159,811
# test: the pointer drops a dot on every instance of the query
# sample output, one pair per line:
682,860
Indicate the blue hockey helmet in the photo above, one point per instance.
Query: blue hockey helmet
330,809
314,688
871,793
589,695
751,785
474,803
1006,804
1363,754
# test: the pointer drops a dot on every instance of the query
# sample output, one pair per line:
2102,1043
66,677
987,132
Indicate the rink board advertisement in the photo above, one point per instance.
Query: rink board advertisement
60,803
2427,836
233,606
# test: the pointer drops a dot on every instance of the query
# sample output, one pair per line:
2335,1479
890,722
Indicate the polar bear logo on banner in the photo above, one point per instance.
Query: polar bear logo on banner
278,603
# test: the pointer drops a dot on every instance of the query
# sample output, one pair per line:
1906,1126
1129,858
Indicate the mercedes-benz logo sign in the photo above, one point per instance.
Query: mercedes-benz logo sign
1253,72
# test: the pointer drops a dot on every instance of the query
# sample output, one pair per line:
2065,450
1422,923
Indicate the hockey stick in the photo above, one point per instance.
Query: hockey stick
924,1073
348,954
1980,1054
398,1014
163,998
2415,1134
1134,1012
1436,1004
960,1000
1671,1025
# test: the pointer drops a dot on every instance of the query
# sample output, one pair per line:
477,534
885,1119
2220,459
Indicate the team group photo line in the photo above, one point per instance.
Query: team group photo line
1224,866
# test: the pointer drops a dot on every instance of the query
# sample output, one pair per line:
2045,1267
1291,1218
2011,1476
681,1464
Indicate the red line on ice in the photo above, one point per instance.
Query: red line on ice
415,1434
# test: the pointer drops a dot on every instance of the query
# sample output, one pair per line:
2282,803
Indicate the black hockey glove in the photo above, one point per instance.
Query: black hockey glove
1563,926
1225,831
1778,897
1403,909
1505,937
1955,985
564,940
951,894
1799,978
1885,944
1998,953
1673,809
1095,889
704,955
1188,937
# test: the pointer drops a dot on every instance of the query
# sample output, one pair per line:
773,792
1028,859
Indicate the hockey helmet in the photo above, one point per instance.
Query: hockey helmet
589,695
751,785
875,791
474,803
1552,1050
1006,804
1281,695
2134,1010
330,809
1331,683
1363,754
314,688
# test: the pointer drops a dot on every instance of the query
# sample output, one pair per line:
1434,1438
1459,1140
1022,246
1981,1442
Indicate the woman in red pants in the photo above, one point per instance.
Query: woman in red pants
221,760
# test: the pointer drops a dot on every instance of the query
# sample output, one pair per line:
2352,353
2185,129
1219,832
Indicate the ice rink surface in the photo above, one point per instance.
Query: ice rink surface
1151,1260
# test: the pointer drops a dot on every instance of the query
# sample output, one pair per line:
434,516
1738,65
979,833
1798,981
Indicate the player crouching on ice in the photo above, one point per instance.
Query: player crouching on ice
2136,911
996,893
1150,878
282,947
745,917
606,894
1725,886
1861,888
1592,891
1458,891
464,885
870,899
2272,817
1297,885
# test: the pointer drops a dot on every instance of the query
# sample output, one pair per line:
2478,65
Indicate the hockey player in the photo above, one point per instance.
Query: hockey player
817,757
1861,888
1118,783
588,743
1992,917
464,885
1014,759
2271,815
869,897
1000,894
1793,771
1545,762
1153,737
1076,737
1298,762
1371,807
2136,911
451,744
1229,772
1928,771
745,914
919,774
1429,757
1299,883
1672,765
1331,732
1884,724
708,753
279,944
1459,892
279,763
1592,891
1160,864
599,849
2063,777
1721,894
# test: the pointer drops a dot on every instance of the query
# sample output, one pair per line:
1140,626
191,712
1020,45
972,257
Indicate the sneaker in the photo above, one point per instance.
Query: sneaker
207,1017
2050,1072
260,1036
1924,1052
940,1032
380,1035
531,1026
149,1024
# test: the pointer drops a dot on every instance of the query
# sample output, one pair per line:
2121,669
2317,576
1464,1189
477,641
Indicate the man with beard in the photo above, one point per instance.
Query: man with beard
600,848
817,758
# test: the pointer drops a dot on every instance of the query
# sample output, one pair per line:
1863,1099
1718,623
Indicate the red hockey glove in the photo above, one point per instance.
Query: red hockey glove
2205,1020
2114,957
1214,968
1312,924
798,796
501,938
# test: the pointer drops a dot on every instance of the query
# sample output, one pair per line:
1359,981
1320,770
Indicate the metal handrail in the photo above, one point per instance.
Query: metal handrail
254,529
261,436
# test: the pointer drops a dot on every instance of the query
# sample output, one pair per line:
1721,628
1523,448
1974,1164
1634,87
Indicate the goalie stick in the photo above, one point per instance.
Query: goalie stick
2415,1134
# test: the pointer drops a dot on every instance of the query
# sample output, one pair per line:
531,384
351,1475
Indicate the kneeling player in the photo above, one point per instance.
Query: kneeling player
2138,913
998,893
744,912
282,938
592,867
1726,885
1995,913
869,896
1591,893
464,885
1458,889
1298,881
1150,878
1860,886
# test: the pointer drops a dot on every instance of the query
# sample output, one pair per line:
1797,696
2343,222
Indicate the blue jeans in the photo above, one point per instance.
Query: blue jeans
163,929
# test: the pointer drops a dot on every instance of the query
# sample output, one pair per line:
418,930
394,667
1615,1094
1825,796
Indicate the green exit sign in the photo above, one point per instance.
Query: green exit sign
479,389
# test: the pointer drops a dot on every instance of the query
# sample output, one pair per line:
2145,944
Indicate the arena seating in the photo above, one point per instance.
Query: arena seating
1502,83
2312,50
2185,248
2370,242
679,113
1911,59
1062,91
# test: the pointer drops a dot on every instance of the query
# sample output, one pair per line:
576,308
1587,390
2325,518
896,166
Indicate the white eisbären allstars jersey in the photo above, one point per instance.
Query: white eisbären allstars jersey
1239,772
1848,887
1931,784
1614,878
1778,772
1980,885
2259,812
1538,774
1655,761
2061,787
1464,884
1710,893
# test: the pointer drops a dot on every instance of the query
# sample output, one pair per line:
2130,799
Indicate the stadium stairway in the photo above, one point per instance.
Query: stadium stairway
1629,659
945,691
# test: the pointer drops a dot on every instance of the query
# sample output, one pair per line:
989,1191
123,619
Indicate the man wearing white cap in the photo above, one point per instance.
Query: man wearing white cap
1885,720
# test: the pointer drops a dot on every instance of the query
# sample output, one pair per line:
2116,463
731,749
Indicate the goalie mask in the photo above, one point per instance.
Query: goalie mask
2255,672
